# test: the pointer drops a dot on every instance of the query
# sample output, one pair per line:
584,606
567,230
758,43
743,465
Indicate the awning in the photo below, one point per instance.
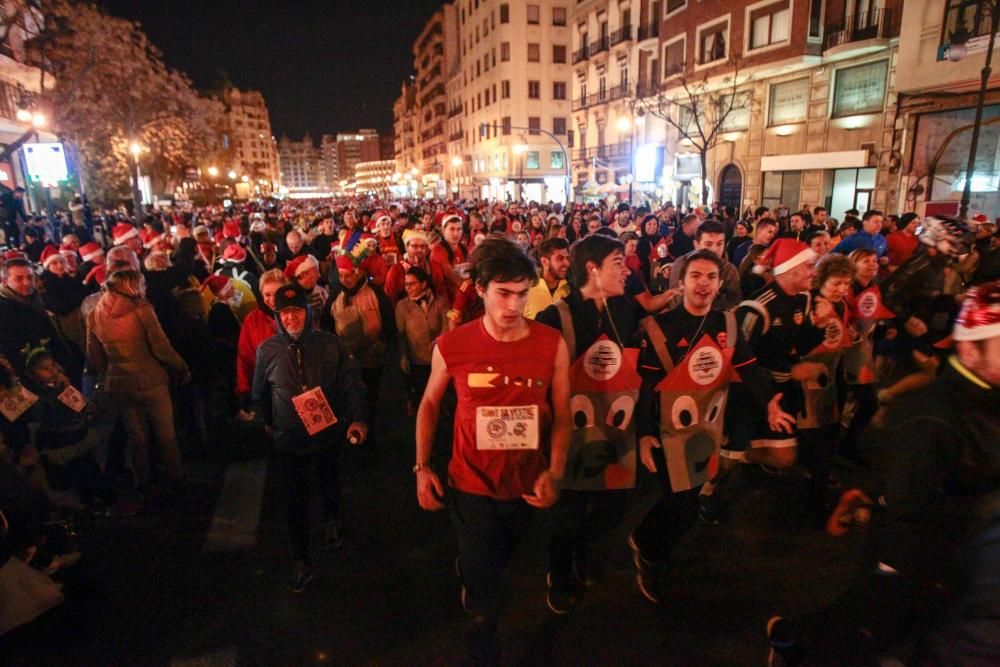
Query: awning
806,161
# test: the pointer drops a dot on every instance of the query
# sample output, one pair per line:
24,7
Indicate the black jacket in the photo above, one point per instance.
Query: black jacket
279,377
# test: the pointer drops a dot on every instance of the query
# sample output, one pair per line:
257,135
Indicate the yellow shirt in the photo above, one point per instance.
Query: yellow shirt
539,297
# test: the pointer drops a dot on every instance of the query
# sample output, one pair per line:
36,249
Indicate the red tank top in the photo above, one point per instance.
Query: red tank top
504,417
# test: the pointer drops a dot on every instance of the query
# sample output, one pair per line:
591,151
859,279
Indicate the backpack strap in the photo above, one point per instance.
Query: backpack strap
758,308
659,342
566,324
730,328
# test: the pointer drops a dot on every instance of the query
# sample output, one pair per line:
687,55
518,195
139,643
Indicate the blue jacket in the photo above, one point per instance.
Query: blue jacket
325,363
862,239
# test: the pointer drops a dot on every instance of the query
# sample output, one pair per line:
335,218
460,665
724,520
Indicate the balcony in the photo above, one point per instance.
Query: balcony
601,97
456,111
456,136
649,31
645,89
871,25
581,54
623,34
599,46
619,151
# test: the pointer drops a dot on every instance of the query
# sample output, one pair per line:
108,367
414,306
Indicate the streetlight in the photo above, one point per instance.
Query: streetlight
956,52
519,149
38,119
245,178
213,171
456,161
23,116
232,175
135,148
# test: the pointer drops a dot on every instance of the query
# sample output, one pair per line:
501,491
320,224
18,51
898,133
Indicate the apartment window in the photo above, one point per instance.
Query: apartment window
477,34
531,160
493,20
738,117
712,42
781,188
534,90
558,53
860,89
558,16
505,90
534,15
534,124
789,102
504,13
494,88
964,15
815,19
493,57
505,123
559,90
769,24
558,126
557,160
534,53
479,100
486,27
673,57
486,63
504,52
675,6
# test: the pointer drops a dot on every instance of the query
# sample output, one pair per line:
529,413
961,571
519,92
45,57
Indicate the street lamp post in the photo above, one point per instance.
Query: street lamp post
538,130
992,8
135,149
626,123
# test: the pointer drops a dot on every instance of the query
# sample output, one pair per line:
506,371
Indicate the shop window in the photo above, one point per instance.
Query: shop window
558,160
781,188
531,160
860,89
789,102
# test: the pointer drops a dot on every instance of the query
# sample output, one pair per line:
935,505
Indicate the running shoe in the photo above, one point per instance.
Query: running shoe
302,574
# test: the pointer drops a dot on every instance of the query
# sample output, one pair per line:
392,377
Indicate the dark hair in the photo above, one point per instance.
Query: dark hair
595,248
706,255
870,214
11,263
500,260
831,265
628,236
418,273
819,209
551,244
690,217
906,219
710,226
766,221
760,210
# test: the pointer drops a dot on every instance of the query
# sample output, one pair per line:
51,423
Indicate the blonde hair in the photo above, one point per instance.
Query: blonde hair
157,261
127,283
272,276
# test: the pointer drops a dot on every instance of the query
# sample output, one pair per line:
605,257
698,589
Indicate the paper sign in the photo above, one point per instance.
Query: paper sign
15,401
72,398
314,411
508,427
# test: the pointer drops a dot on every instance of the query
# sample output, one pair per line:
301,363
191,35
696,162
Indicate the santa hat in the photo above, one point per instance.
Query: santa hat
150,237
68,252
378,216
450,216
49,253
345,263
234,253
410,234
123,231
300,265
784,255
13,254
981,218
366,237
230,229
218,284
267,246
97,275
979,318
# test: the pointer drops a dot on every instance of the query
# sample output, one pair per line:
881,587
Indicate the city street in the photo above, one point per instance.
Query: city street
179,588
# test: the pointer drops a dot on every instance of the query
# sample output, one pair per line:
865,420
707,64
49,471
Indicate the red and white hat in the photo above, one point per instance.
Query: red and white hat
379,216
451,216
785,254
123,231
979,318
300,265
9,255
219,285
91,252
150,237
50,253
97,275
230,229
234,253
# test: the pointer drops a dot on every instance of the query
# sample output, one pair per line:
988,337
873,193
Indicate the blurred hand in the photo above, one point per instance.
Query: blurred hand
545,493
646,445
429,490
778,419
404,364
915,327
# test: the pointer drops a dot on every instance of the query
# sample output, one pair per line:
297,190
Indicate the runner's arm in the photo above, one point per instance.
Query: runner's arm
430,406
561,426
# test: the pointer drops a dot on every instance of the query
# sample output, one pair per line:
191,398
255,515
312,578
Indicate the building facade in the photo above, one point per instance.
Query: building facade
938,87
406,134
331,165
352,148
790,102
434,54
302,168
252,148
374,178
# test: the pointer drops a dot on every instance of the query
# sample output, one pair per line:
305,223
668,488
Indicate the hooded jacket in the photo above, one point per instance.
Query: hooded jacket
278,378
126,344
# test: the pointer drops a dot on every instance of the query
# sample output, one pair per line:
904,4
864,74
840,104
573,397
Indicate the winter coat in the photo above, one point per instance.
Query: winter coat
126,344
278,378
257,327
24,323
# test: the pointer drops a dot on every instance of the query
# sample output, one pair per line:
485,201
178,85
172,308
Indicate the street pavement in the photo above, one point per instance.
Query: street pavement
206,582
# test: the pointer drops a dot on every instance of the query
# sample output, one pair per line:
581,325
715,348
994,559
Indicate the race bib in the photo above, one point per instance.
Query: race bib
314,410
72,398
509,427
15,401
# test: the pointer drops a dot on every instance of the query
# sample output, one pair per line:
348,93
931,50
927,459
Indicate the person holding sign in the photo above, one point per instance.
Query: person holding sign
307,388
511,432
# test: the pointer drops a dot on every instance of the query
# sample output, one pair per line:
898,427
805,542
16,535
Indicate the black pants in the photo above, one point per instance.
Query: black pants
861,406
13,234
373,384
816,447
298,493
665,524
416,381
579,521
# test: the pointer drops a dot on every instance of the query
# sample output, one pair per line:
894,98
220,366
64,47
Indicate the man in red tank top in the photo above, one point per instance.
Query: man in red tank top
511,432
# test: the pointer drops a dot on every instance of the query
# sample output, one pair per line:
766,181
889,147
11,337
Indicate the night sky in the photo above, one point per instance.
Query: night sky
324,66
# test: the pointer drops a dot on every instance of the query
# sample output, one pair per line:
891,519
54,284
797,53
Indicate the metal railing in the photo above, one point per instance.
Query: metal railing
581,54
873,24
623,34
646,89
601,97
604,151
599,45
649,31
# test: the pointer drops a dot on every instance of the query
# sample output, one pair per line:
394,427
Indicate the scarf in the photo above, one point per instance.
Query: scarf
352,292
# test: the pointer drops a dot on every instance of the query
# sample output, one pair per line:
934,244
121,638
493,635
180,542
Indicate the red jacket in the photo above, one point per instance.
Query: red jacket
257,327
394,280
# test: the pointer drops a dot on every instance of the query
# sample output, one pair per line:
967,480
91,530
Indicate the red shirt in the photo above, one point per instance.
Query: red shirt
257,327
899,247
491,374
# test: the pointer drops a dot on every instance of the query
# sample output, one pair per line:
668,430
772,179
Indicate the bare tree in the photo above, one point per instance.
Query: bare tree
702,108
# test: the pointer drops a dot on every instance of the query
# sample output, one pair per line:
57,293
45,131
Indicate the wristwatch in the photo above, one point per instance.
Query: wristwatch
421,466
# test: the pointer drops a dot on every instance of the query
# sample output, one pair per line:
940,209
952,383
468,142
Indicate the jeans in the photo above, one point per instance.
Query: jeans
145,413
295,469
